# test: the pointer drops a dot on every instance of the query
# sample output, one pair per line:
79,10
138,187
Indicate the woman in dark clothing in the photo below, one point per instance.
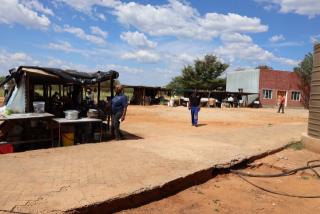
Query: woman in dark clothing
194,106
119,109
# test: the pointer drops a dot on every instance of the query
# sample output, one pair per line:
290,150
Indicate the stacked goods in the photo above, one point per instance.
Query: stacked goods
93,113
71,114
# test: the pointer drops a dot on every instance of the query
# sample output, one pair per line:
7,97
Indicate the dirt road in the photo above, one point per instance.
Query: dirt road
228,193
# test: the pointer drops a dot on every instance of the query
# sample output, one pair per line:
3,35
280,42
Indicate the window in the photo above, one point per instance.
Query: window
267,94
295,96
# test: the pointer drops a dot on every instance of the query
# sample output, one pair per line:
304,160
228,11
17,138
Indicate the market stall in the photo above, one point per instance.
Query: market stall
52,91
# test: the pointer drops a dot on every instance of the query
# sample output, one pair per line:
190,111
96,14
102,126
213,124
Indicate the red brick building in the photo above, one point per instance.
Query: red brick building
268,85
274,83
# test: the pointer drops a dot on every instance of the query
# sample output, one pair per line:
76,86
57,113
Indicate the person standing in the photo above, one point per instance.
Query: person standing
119,109
194,106
6,89
90,97
281,104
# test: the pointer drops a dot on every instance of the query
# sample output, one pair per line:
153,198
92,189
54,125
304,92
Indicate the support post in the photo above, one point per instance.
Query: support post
98,93
112,87
111,97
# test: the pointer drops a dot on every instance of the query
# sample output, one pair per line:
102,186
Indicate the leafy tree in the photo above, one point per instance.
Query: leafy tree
264,67
204,74
304,70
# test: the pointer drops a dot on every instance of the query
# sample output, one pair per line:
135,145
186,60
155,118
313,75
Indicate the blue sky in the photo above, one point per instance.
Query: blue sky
149,42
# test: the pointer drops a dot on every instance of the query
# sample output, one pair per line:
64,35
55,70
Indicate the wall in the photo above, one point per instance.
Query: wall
279,81
247,79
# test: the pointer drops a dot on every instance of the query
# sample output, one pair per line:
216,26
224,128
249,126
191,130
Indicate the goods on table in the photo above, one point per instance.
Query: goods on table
93,113
8,111
38,107
71,114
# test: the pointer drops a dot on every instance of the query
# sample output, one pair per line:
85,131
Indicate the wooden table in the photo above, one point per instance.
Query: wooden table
28,116
61,121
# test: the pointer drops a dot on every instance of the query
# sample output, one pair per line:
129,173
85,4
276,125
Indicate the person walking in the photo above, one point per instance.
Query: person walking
194,106
282,101
119,109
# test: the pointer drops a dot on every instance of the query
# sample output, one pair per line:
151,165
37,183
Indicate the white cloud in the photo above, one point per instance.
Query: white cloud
137,39
86,52
315,39
143,56
309,8
248,51
36,5
176,18
277,38
98,31
101,16
86,5
286,61
58,63
286,44
243,51
122,68
185,58
80,33
179,19
14,11
10,60
62,46
236,37
231,23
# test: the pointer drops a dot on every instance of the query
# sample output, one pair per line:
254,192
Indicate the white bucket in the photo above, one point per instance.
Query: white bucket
38,107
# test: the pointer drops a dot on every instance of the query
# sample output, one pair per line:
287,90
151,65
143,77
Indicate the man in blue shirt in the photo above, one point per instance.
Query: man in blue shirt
194,106
119,109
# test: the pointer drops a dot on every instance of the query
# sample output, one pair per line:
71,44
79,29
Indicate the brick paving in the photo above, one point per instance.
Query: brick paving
62,179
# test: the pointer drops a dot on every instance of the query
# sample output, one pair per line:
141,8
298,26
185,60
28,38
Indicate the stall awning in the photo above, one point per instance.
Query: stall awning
60,76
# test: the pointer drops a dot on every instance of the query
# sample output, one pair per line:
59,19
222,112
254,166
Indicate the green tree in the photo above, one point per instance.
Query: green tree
304,70
264,67
204,74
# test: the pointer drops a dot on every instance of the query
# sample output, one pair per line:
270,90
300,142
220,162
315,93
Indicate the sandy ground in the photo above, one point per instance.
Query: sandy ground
161,146
228,193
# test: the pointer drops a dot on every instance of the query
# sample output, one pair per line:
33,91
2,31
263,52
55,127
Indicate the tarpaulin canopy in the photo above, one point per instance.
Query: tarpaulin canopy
63,76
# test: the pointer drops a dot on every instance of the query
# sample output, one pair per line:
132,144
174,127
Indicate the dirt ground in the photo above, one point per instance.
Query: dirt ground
179,118
228,193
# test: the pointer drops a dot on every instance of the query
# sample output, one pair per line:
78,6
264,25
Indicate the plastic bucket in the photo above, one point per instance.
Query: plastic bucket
68,139
39,107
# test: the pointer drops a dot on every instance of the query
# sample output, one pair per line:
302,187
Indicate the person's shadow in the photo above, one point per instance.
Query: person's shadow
126,136
130,136
201,124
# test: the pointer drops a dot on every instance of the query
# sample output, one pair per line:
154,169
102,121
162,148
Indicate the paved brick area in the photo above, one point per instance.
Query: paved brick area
61,179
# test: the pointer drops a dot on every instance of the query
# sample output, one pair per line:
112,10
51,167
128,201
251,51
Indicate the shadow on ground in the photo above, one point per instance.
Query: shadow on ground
199,125
130,136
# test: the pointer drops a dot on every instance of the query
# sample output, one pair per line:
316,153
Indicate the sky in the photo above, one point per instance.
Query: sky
149,42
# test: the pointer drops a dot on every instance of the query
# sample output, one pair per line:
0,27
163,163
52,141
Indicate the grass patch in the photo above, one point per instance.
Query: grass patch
298,145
